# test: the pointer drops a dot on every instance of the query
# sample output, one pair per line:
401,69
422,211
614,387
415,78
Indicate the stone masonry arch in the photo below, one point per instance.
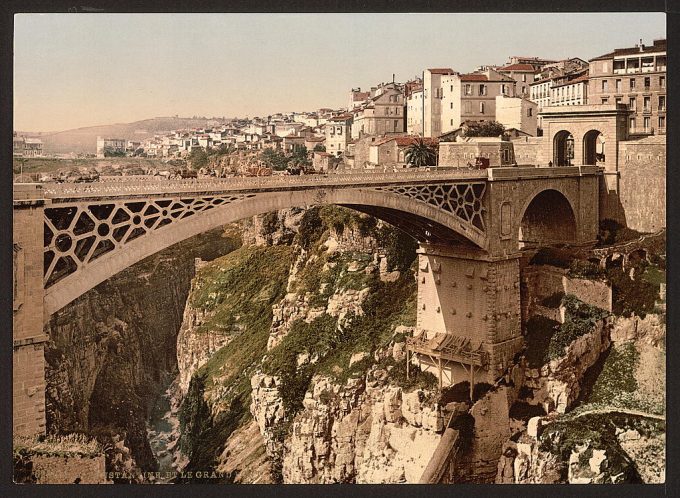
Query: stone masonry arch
548,217
608,119
591,154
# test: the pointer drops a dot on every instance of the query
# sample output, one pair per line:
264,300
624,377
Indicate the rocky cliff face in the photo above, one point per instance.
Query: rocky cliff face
363,431
112,348
336,417
557,384
604,399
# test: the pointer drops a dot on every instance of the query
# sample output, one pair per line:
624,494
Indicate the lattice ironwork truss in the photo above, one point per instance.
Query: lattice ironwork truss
462,200
76,235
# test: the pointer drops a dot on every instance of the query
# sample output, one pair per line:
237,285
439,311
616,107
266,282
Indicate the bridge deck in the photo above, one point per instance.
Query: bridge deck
129,187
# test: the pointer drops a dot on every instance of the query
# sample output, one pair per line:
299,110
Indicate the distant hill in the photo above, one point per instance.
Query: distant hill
84,140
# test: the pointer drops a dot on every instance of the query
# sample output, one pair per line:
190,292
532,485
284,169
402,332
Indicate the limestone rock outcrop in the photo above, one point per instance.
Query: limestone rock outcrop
364,431
557,384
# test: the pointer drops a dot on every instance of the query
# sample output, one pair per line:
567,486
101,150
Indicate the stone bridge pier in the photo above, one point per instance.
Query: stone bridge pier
28,359
469,311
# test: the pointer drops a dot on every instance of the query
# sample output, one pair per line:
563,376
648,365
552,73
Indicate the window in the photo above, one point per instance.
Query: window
662,81
632,83
632,104
339,131
662,102
452,88
530,112
647,104
618,100
646,122
468,89
451,105
618,86
605,100
482,89
662,121
605,85
481,107
632,124
647,82
467,107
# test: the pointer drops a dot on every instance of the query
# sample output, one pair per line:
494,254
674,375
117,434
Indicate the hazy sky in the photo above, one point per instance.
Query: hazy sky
74,70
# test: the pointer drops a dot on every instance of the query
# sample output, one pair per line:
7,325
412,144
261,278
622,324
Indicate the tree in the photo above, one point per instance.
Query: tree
300,156
319,148
198,158
420,154
275,159
484,129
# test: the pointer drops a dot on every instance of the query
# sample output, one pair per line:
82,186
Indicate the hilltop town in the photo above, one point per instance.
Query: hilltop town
491,114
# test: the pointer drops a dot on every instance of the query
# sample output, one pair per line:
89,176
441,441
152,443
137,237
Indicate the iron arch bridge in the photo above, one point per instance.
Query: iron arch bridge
93,231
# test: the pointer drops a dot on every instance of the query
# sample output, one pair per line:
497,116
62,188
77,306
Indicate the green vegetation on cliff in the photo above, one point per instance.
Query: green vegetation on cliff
387,305
579,319
239,289
547,339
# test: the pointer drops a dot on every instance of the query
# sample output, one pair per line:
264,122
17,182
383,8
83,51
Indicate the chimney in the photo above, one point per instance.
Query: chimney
642,47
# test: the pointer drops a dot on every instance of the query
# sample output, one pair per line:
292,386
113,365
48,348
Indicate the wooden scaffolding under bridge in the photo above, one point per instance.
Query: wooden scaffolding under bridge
446,348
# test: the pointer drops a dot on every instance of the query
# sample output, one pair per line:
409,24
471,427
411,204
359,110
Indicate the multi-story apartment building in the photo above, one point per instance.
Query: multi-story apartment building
383,113
338,134
570,89
557,74
634,76
432,100
414,111
472,97
523,74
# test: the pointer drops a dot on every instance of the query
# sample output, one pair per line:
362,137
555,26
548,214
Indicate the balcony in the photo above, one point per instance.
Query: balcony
641,131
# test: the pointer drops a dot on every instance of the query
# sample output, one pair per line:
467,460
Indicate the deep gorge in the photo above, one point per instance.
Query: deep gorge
285,339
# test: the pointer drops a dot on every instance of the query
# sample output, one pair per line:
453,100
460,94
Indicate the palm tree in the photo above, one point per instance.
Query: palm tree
420,154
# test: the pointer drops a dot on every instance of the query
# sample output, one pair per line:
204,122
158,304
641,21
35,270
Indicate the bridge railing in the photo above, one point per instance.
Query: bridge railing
137,187
228,184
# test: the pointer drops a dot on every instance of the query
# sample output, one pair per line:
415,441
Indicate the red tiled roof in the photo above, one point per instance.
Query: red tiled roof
518,67
441,70
473,77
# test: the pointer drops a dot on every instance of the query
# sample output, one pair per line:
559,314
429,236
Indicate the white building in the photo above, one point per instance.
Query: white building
472,97
570,91
518,113
432,100
338,134
414,112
